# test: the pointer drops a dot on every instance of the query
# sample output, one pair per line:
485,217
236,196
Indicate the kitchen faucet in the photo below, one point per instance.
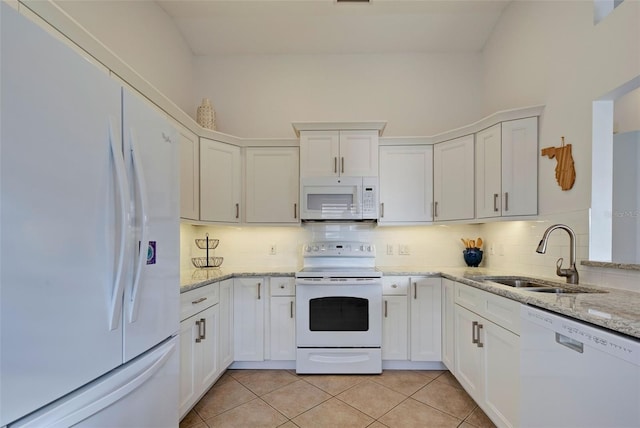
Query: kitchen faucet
571,273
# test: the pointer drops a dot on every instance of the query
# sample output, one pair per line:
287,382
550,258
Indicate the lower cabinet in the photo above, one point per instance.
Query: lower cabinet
282,326
448,325
425,295
226,324
395,318
249,296
199,360
487,355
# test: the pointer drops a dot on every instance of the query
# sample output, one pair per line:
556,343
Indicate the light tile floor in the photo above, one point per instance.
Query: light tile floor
280,398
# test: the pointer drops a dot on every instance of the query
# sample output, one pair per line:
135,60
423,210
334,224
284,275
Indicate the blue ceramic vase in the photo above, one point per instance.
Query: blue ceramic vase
472,256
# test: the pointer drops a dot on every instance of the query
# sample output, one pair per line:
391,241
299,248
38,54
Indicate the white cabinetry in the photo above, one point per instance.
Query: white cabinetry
453,179
395,318
448,324
199,328
189,174
249,295
406,184
487,352
426,319
220,181
226,324
507,169
272,182
283,323
339,153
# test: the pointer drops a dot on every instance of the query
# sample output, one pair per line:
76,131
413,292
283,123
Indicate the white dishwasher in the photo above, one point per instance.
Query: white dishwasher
576,375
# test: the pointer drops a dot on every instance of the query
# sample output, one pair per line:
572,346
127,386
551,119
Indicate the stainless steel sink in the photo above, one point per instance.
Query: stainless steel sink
529,284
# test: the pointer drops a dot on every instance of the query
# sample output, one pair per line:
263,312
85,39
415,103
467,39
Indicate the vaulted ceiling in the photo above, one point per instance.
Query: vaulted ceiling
215,27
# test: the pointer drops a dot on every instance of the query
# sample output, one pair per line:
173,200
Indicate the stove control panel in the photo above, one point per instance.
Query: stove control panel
339,249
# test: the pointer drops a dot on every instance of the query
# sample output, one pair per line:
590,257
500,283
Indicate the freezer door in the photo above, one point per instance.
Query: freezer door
140,394
59,218
152,296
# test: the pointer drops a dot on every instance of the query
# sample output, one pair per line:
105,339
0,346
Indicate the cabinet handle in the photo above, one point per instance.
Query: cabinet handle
381,209
295,211
435,209
259,285
291,308
394,285
415,290
385,308
342,165
237,210
335,164
506,201
199,338
203,323
480,344
474,326
200,300
495,202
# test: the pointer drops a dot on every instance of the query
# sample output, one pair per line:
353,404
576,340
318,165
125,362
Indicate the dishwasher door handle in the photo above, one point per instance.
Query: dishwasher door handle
570,343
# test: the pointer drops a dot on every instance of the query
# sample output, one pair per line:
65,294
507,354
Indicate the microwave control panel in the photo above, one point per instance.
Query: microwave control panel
369,197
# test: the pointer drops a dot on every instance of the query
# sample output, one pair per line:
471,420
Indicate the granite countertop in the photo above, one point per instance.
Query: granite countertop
617,310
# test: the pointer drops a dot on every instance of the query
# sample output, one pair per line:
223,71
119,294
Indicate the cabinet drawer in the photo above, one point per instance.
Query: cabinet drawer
395,285
502,311
199,299
282,286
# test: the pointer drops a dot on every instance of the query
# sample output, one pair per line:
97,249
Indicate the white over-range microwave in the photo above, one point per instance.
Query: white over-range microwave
339,198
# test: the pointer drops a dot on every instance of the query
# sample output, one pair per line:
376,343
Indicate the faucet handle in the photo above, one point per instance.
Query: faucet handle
559,270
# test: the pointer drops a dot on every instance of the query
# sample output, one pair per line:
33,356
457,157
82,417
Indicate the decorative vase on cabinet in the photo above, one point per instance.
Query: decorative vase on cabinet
206,115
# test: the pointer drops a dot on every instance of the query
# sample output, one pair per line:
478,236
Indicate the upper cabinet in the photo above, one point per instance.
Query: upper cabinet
189,175
507,169
453,179
352,153
272,184
406,184
220,181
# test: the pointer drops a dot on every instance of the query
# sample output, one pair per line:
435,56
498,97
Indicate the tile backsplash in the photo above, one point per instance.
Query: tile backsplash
508,245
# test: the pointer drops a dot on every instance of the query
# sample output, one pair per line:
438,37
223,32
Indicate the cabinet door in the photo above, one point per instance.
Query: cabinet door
502,374
395,328
319,153
189,175
188,362
520,167
448,324
358,153
406,184
210,326
468,357
426,319
488,172
283,328
272,183
225,337
453,177
248,318
220,181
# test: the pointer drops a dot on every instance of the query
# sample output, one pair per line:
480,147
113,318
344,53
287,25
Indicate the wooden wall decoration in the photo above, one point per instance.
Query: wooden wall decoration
565,170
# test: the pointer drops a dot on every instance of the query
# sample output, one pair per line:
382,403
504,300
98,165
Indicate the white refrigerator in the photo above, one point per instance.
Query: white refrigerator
89,228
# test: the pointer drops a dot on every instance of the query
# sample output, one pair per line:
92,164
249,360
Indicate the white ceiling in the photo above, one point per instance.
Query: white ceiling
214,27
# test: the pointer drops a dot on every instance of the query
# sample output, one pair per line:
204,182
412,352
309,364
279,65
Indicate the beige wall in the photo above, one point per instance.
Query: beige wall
418,94
144,37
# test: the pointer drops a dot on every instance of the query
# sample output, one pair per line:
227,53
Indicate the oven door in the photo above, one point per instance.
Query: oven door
338,313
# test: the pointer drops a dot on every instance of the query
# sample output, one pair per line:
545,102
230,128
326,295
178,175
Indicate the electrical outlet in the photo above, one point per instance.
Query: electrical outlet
492,250
403,250
390,249
273,250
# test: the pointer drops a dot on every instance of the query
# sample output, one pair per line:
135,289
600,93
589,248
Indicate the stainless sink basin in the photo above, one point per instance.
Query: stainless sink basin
528,284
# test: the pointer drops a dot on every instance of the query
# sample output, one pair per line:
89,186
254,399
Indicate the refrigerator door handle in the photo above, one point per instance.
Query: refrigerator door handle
142,255
94,398
115,308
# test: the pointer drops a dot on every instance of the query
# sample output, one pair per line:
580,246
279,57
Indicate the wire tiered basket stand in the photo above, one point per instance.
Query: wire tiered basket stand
207,262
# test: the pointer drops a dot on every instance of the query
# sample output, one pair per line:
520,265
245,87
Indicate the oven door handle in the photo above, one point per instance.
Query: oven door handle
304,282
